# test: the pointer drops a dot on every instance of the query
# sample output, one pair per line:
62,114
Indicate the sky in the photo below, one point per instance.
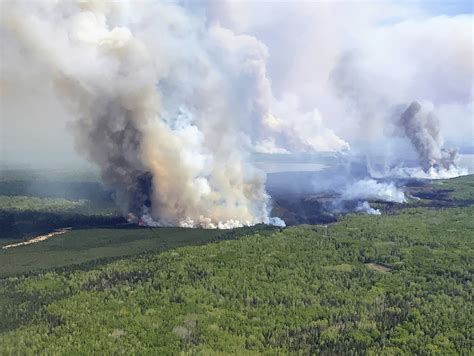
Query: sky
440,7
333,73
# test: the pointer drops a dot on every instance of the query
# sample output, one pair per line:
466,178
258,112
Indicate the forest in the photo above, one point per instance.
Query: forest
399,283
34,202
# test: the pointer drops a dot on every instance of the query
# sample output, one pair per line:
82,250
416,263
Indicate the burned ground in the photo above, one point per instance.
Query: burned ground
299,206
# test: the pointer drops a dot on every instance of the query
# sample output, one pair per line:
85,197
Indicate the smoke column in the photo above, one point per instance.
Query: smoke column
171,149
421,127
168,98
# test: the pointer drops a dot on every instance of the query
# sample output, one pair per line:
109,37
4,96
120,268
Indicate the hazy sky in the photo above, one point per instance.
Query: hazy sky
335,70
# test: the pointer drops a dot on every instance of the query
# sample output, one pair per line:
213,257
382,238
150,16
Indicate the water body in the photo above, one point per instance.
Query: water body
276,167
465,161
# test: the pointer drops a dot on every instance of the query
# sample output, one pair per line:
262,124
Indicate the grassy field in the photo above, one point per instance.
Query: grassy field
399,283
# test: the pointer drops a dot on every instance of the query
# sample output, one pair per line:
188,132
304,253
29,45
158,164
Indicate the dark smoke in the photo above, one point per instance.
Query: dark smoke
174,157
422,129
116,150
140,193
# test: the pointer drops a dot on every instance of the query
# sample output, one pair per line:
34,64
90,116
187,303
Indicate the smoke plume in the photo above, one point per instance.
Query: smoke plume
373,190
365,207
170,98
422,129
155,115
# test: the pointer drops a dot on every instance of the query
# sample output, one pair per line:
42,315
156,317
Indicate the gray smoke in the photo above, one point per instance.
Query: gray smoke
151,108
421,127
109,137
168,98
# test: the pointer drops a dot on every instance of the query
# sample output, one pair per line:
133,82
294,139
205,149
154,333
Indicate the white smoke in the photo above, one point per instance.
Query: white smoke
370,189
152,108
276,221
354,61
274,125
365,207
426,58
419,173
269,146
301,131
167,98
